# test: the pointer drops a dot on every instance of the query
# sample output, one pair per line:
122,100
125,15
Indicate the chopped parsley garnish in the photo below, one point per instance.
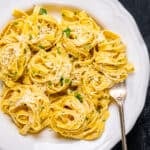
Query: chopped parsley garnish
67,80
40,46
88,46
42,11
49,83
62,81
34,73
30,37
38,27
79,97
70,83
67,31
58,50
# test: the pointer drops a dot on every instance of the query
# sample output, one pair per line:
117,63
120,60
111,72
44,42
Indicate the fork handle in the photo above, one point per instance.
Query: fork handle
122,122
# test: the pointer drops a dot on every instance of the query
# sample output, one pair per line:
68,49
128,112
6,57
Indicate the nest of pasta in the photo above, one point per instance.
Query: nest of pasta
57,75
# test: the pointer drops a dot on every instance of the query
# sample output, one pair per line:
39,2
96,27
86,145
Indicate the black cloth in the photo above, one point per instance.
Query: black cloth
139,137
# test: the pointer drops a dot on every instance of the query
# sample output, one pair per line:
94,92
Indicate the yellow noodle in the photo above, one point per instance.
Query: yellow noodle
76,119
58,74
13,60
28,106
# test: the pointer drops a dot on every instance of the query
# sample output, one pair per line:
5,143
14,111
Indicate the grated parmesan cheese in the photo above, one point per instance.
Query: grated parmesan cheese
27,98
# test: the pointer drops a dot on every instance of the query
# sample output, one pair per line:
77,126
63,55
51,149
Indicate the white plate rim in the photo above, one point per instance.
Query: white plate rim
123,14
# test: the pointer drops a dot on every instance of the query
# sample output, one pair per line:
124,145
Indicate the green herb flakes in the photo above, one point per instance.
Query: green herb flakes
42,11
88,46
49,83
30,37
67,31
58,50
40,46
79,97
34,73
67,80
39,27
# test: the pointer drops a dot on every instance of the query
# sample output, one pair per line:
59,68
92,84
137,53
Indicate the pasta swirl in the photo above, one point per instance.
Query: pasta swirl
82,31
50,68
28,107
57,74
75,119
111,58
39,31
13,60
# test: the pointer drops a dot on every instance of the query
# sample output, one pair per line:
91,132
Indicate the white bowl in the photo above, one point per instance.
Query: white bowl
114,17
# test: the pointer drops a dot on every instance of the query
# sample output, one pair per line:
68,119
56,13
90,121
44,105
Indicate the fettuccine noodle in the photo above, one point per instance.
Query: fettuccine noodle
28,106
57,75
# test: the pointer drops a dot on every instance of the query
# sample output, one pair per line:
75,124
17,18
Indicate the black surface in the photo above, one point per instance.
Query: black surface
139,137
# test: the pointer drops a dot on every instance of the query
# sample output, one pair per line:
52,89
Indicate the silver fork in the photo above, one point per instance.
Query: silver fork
118,93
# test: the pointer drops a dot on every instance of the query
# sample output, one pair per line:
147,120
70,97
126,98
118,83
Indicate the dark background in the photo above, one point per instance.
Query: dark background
139,137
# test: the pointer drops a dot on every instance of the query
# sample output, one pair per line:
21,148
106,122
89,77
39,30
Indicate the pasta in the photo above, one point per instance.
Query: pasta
75,119
57,75
13,60
28,106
